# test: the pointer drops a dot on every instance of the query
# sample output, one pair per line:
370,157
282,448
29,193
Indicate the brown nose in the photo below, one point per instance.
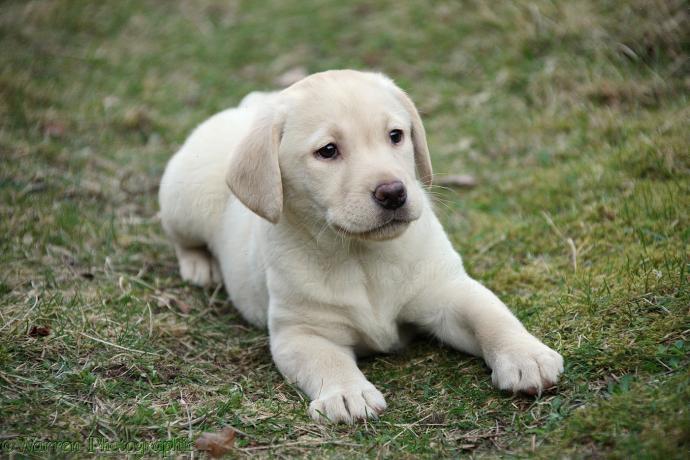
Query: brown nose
390,195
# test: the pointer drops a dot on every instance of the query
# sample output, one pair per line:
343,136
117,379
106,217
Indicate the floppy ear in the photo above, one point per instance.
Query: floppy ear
421,149
254,172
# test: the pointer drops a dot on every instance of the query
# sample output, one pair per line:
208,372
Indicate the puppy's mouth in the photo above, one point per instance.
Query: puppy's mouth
386,231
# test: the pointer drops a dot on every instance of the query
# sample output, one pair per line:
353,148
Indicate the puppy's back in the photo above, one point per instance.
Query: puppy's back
193,192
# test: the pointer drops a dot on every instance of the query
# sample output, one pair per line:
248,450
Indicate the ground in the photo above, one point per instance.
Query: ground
572,117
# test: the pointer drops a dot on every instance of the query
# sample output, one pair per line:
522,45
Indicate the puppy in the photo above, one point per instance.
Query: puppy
309,205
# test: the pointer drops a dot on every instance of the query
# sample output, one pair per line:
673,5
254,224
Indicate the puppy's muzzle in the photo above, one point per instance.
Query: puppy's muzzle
390,195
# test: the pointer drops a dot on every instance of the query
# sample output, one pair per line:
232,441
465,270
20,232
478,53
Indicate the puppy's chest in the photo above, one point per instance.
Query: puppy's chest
370,295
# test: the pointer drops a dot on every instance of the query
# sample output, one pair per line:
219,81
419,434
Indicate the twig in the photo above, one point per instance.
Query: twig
23,317
212,299
456,180
302,443
105,342
573,253
568,241
664,364
189,417
549,221
491,244
148,305
407,426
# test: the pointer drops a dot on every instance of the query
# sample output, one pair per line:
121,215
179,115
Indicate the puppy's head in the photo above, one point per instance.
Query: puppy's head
339,148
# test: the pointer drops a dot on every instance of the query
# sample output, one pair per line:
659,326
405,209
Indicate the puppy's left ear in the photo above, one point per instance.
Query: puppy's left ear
254,172
421,149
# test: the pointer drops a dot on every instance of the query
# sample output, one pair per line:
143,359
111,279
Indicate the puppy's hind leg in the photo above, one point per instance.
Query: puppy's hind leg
198,266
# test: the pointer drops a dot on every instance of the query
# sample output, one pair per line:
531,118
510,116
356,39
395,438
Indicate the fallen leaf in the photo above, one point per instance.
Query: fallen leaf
54,129
39,331
33,187
607,212
461,181
137,119
216,444
169,301
184,307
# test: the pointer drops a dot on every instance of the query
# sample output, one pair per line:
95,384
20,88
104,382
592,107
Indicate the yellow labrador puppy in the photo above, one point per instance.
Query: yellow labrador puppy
308,204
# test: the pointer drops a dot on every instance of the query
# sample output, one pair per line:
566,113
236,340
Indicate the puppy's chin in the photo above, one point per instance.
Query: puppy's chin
388,231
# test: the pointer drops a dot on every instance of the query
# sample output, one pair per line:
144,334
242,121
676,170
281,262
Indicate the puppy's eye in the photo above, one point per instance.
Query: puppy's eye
328,151
396,136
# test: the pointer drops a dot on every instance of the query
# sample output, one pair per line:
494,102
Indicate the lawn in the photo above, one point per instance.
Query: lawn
572,116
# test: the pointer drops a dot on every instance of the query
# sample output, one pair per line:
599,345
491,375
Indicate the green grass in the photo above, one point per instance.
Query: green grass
573,116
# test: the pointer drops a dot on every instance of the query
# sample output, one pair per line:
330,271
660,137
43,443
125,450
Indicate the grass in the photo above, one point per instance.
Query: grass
573,116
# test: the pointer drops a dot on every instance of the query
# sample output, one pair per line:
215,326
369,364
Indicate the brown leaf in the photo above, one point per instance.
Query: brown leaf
607,212
138,119
216,444
168,301
184,307
54,129
39,331
461,181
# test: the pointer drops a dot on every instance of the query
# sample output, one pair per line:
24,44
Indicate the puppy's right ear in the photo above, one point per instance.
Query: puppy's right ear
254,172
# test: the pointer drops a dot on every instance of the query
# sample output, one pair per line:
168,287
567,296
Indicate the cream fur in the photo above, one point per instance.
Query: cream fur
327,277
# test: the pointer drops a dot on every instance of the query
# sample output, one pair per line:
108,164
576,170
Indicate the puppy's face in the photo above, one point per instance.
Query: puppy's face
347,156
350,146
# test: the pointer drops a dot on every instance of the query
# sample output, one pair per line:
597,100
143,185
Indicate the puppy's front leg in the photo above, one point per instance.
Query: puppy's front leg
327,373
469,317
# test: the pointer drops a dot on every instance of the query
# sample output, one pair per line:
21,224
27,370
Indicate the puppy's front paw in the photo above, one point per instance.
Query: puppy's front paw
348,405
528,367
